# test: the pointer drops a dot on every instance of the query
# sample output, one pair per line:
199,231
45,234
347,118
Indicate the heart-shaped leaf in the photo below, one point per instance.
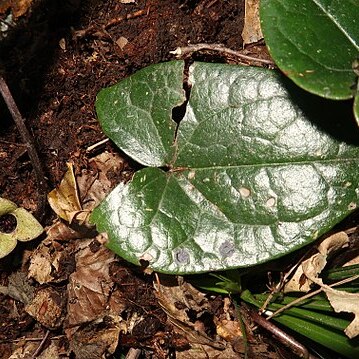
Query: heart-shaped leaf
315,43
249,177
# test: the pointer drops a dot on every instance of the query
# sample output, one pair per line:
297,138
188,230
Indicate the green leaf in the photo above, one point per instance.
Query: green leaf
146,103
251,178
338,274
318,302
314,42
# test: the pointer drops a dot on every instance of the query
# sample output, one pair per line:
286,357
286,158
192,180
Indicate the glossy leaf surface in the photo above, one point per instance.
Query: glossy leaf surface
315,43
250,177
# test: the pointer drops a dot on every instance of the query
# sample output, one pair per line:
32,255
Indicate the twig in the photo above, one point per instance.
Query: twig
97,144
126,17
41,345
282,336
309,295
283,281
30,339
185,50
28,141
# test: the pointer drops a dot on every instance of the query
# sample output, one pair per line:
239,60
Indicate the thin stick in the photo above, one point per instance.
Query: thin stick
41,345
309,295
56,337
28,142
181,51
126,17
97,144
283,281
282,336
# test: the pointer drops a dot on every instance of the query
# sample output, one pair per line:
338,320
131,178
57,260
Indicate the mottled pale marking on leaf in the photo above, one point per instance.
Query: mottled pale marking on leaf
270,202
245,192
347,184
226,249
191,175
352,206
146,257
182,256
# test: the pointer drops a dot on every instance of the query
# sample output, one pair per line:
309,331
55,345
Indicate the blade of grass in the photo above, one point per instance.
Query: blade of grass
342,272
329,338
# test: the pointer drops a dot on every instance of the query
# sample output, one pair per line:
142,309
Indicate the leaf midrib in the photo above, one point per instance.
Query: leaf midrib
266,164
338,25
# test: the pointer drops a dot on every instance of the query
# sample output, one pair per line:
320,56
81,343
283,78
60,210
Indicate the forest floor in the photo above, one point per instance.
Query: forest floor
55,60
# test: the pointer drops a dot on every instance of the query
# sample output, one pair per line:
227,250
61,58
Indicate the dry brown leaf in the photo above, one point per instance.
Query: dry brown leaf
47,307
40,265
64,200
18,288
94,186
340,301
75,198
51,261
18,7
252,29
90,285
98,339
24,350
121,42
200,351
313,266
177,297
229,329
51,352
345,302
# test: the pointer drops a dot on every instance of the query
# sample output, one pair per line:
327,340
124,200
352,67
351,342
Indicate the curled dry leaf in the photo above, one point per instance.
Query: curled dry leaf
313,266
24,350
72,201
90,285
97,339
229,329
75,198
64,200
345,302
177,298
51,263
96,184
341,301
252,28
47,307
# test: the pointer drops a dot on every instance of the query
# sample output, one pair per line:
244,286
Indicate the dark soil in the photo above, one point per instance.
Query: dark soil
55,60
